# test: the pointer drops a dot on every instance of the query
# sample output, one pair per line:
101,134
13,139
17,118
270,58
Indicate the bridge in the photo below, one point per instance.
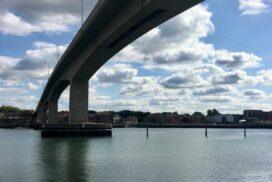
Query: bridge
112,25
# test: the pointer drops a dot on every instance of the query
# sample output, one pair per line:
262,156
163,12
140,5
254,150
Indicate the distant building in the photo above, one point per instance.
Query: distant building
116,119
254,116
131,120
17,118
63,116
101,117
242,121
222,118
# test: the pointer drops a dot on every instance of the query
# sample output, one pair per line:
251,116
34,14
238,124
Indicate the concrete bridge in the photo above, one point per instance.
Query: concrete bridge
112,25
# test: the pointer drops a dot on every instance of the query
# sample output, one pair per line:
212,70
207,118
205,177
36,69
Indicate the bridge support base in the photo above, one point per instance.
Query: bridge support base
76,130
42,116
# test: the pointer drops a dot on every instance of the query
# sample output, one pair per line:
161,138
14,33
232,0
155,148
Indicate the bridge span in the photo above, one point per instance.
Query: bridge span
112,25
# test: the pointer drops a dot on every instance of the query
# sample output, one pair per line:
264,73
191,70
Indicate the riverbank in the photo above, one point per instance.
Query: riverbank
14,126
231,126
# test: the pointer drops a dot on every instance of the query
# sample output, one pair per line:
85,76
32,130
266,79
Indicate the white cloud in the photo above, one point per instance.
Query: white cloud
209,68
22,18
215,99
118,73
214,90
6,63
12,24
21,101
34,65
164,100
36,10
107,103
236,60
264,77
229,78
252,7
174,43
149,86
7,90
181,80
44,55
30,86
184,56
15,25
255,94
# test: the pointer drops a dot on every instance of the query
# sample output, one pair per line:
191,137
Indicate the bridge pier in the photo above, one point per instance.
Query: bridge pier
53,112
78,106
42,116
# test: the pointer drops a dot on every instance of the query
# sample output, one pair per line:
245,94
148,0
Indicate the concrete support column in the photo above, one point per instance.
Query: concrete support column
53,112
42,116
78,107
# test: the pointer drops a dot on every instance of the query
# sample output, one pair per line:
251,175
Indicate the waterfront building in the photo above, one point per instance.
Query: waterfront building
242,121
221,118
116,119
260,116
131,120
101,117
63,116
17,118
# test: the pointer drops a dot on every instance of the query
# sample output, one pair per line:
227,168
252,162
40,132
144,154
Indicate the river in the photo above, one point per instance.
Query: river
172,155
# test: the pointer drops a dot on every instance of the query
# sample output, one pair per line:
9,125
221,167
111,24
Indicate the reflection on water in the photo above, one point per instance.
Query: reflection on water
64,159
170,155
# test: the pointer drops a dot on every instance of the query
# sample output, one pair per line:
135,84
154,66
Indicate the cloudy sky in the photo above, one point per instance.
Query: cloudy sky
215,55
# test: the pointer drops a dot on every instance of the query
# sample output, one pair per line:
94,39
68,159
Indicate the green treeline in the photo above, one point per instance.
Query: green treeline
159,118
11,109
142,117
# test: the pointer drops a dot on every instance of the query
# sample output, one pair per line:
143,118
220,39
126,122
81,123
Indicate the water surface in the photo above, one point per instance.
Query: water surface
172,155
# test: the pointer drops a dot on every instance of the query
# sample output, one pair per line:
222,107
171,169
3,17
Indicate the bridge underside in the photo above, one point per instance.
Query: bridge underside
111,26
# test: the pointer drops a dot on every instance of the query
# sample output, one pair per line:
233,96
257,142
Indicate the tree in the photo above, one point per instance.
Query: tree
213,112
92,112
209,112
150,119
185,118
7,109
198,117
125,113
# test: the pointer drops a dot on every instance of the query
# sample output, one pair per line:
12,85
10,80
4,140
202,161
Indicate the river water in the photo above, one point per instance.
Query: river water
172,155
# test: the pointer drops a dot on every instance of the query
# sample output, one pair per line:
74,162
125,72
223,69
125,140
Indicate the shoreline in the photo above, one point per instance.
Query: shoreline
226,126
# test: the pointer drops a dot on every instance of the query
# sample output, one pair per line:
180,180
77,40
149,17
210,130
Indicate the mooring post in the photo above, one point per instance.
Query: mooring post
206,132
146,132
244,132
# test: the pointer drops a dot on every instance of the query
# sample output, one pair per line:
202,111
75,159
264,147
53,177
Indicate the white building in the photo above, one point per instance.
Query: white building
116,119
242,121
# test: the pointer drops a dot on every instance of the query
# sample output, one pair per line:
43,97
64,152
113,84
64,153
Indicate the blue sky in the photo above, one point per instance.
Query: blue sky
215,55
